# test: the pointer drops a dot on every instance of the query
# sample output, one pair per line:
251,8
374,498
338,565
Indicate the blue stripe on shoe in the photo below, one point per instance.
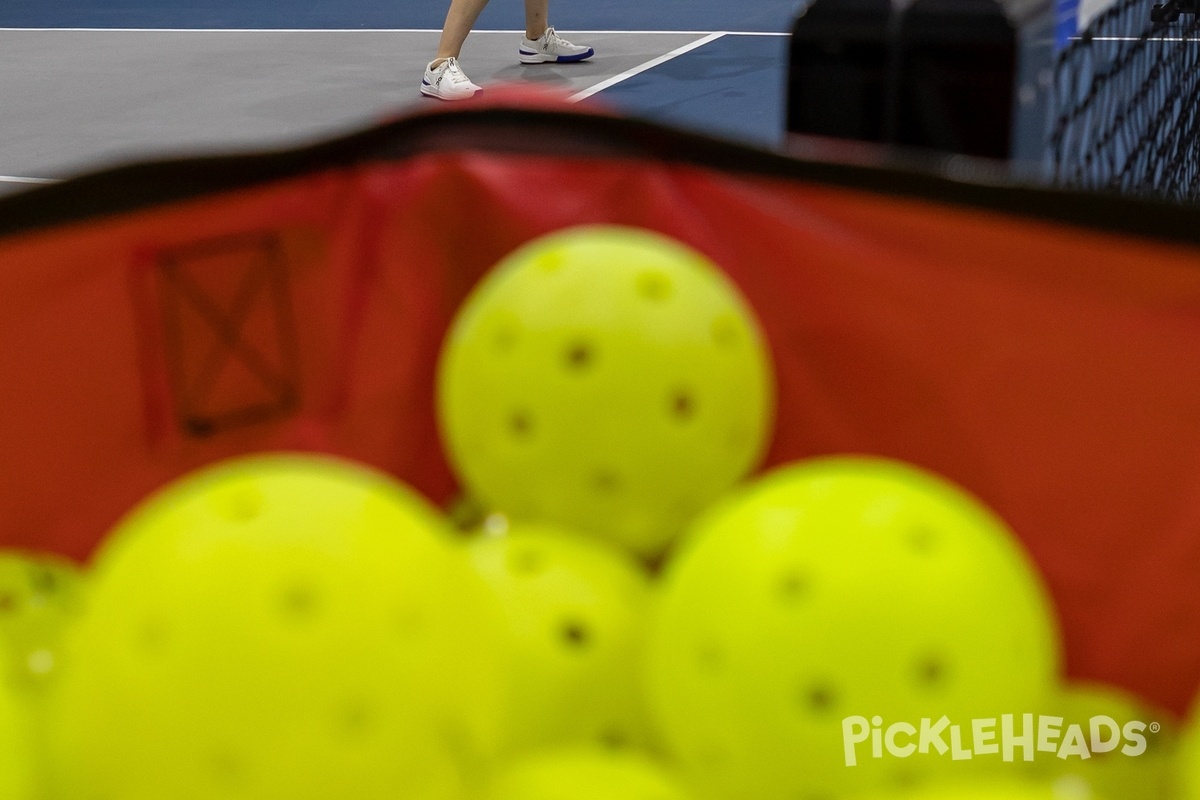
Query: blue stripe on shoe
570,59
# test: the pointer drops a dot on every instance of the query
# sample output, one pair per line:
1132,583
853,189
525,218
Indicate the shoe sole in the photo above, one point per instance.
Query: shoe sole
429,91
540,58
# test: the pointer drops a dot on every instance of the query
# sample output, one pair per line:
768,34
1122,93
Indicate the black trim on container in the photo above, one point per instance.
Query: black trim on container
564,133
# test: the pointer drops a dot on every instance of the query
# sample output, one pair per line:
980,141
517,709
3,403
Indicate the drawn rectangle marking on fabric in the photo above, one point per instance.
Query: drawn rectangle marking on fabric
229,332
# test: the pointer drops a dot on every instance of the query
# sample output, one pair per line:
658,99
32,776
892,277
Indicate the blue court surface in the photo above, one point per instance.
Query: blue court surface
710,15
89,83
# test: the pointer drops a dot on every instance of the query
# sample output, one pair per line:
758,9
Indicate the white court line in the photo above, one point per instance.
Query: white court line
666,33
640,68
17,179
368,30
1136,39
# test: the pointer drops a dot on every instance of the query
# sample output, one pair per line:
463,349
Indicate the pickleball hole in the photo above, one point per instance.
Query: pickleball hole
791,586
932,672
575,634
504,338
526,561
605,481
44,581
151,636
614,739
579,356
354,720
520,424
682,405
551,261
818,698
654,286
737,439
922,540
726,332
240,504
299,601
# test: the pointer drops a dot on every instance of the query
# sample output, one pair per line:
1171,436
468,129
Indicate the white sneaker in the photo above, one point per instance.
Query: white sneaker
447,82
552,48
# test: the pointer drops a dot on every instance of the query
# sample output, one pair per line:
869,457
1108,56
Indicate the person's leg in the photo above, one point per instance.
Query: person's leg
537,13
444,78
542,44
459,21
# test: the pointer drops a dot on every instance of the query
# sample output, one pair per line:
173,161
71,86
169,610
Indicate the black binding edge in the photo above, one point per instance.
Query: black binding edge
505,130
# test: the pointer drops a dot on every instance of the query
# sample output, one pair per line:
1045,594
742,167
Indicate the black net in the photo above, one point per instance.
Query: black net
1126,114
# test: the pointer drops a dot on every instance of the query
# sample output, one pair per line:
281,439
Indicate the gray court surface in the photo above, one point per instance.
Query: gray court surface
76,100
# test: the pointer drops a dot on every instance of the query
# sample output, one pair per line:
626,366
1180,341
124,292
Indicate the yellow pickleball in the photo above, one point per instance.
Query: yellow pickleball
1065,788
278,628
1131,745
40,595
19,762
1186,771
575,610
831,598
607,379
586,774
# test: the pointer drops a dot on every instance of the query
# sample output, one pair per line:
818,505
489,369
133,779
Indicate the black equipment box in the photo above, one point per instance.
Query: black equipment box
933,74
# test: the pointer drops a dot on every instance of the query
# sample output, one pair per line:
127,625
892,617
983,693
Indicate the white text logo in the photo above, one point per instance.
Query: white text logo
1010,737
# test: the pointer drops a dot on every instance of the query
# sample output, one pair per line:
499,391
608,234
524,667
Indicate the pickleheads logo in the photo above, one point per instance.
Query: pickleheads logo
990,737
